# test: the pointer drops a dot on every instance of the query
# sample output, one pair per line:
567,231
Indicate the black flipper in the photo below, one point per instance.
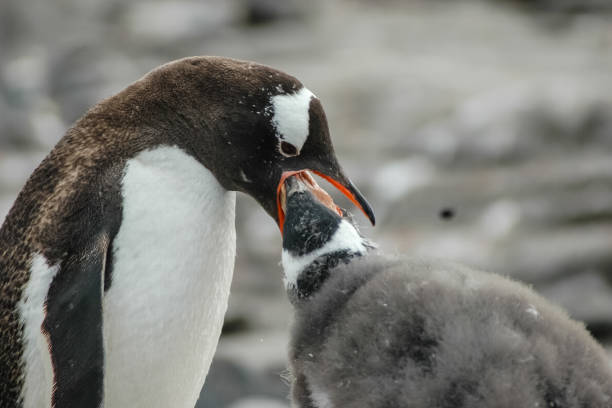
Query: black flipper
73,325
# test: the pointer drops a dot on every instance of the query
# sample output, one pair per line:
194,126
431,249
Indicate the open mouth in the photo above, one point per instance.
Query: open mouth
305,182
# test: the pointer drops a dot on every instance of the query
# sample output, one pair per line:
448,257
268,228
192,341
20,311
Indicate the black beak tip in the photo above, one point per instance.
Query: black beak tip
366,207
370,214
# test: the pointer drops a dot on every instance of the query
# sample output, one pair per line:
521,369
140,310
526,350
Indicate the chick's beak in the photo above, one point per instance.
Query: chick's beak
337,179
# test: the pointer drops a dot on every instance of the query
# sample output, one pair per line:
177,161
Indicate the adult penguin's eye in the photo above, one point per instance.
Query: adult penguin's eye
287,149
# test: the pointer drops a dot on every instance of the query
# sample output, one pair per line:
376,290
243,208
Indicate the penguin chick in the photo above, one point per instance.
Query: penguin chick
383,332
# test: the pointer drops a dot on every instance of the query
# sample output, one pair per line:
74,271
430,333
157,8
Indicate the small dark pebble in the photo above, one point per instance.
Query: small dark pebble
447,213
235,325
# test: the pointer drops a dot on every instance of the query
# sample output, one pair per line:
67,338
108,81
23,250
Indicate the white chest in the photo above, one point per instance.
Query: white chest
173,263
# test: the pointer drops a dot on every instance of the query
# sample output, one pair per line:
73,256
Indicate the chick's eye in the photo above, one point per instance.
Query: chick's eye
288,150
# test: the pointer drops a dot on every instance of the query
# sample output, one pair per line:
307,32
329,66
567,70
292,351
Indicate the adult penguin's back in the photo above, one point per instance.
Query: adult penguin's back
117,256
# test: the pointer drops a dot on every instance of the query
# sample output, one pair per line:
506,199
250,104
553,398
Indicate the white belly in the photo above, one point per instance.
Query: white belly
173,263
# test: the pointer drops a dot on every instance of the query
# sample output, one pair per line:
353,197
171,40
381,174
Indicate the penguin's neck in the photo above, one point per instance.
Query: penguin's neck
314,276
173,258
305,274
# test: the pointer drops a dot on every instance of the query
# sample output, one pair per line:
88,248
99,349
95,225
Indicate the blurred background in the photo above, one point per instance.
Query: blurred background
480,131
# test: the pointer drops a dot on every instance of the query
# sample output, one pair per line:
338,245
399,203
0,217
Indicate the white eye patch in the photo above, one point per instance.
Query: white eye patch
291,118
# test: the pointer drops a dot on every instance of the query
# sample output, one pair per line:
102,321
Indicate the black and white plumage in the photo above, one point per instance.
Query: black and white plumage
116,258
378,331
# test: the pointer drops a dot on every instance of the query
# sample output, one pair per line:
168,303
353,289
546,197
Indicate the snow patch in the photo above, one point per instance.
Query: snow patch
533,311
396,179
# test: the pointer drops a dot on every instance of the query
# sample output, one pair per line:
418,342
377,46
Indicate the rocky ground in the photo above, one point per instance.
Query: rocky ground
480,132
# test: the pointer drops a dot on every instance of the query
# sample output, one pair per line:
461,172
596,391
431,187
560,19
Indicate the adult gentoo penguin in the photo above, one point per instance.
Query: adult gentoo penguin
388,332
117,256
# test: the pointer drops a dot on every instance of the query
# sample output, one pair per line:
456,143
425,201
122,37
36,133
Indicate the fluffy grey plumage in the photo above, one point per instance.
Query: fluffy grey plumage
386,332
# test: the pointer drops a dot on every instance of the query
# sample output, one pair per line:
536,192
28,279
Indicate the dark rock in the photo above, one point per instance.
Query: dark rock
566,6
237,324
260,12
